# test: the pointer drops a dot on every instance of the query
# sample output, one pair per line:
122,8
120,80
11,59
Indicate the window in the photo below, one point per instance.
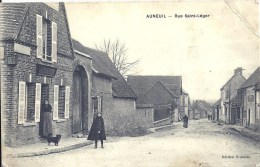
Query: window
250,98
62,102
46,39
46,36
29,102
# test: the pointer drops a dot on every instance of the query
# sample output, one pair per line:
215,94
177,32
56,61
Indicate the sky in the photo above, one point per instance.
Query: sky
204,51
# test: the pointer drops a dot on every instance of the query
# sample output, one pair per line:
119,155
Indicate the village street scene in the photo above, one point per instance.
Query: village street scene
130,84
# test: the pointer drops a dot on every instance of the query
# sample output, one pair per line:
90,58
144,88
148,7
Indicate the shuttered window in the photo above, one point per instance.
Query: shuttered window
46,39
54,42
67,101
56,102
21,107
37,102
39,40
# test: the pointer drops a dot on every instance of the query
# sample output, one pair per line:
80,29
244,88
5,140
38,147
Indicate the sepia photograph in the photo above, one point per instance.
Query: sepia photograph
130,83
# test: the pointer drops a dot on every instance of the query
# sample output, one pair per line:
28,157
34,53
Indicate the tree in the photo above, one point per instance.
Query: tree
117,52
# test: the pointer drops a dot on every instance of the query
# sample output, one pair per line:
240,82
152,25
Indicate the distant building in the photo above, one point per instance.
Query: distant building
170,101
229,93
216,110
249,101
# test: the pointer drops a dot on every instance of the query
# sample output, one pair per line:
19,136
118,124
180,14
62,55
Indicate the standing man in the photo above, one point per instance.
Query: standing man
97,131
46,120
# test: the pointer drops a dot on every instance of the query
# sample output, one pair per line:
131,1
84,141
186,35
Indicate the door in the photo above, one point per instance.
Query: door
217,113
77,103
233,116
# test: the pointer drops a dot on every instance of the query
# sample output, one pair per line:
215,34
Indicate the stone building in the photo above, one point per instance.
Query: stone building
229,93
249,101
38,62
110,93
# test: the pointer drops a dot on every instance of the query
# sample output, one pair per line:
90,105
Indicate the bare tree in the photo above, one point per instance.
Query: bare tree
117,52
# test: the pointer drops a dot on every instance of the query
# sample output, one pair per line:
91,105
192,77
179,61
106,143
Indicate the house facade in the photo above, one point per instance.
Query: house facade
228,94
37,63
249,100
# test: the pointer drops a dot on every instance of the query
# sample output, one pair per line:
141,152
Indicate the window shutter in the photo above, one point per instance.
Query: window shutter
37,102
56,102
67,101
39,36
21,108
54,42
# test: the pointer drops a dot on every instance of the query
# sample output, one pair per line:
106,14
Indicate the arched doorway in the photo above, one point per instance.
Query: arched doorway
80,101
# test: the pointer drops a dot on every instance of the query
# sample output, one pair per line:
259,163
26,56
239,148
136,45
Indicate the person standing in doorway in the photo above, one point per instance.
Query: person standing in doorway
46,120
97,130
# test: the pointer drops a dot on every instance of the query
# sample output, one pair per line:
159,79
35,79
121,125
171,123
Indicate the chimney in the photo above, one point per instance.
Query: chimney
238,71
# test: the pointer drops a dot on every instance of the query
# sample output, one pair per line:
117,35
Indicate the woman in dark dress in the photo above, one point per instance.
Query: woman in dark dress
185,121
46,120
97,131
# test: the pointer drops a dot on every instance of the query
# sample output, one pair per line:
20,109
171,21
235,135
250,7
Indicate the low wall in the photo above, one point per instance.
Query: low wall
145,113
162,122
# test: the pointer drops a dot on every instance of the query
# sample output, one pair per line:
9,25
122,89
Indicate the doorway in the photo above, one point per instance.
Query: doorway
80,101
44,96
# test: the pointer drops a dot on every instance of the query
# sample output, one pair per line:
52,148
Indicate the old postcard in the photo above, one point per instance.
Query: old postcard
138,84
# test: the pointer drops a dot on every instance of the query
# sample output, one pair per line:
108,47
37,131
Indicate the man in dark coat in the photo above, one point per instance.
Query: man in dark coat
185,121
97,130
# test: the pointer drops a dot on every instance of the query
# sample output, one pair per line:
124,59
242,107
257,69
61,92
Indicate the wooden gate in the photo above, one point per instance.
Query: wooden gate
77,103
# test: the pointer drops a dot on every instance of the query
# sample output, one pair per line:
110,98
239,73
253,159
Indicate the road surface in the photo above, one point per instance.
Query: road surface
203,143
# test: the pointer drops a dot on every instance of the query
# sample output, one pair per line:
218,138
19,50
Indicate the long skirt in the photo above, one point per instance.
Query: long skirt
47,124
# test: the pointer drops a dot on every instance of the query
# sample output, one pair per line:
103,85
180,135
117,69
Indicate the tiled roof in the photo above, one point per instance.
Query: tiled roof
166,87
252,80
102,64
11,17
98,66
142,84
228,82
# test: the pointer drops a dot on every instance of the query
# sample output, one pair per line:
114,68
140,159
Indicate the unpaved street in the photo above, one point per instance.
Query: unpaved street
203,143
